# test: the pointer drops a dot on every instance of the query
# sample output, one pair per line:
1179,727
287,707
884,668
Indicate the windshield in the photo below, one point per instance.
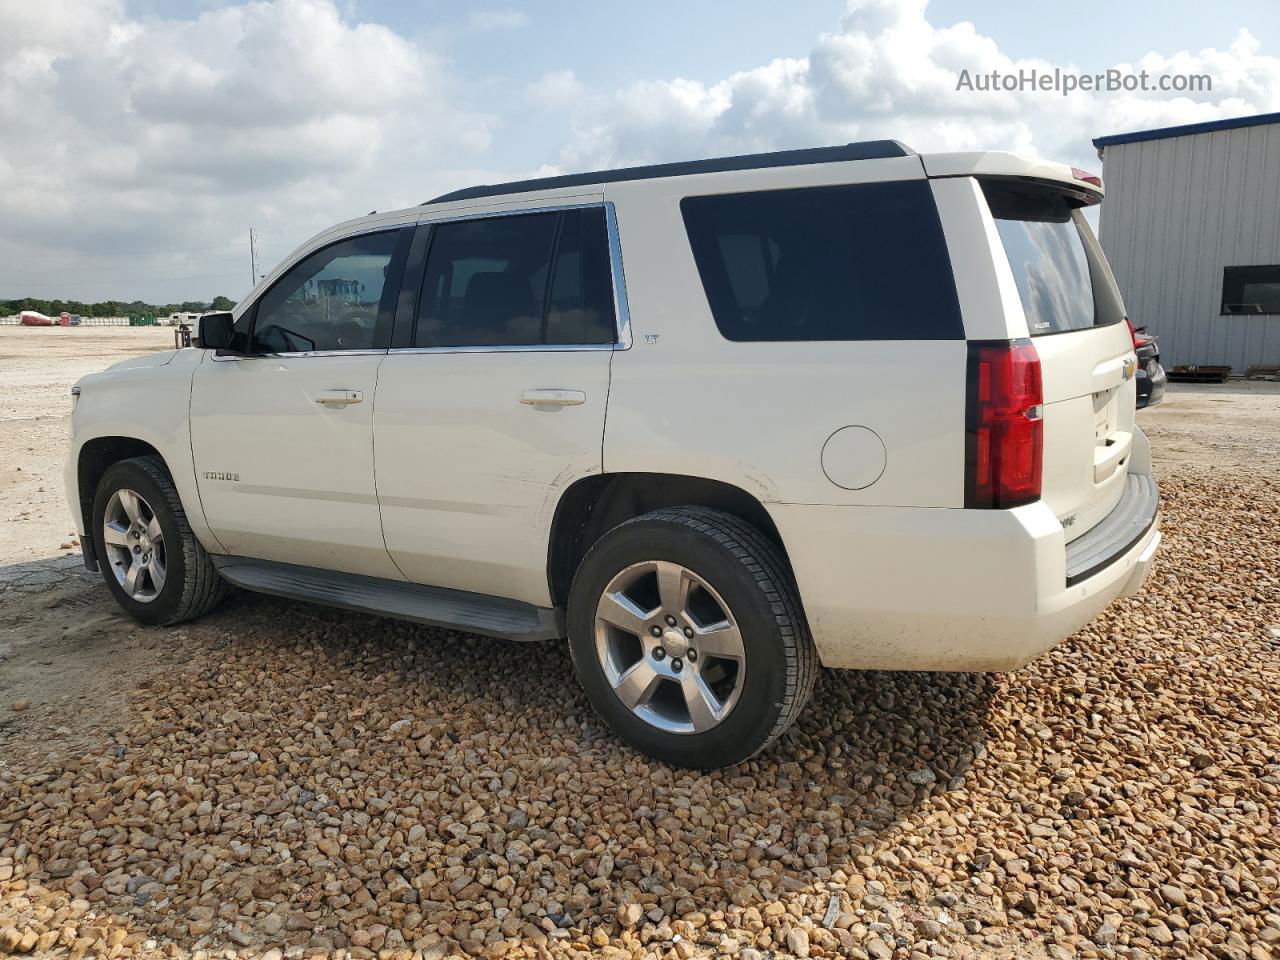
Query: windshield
1057,264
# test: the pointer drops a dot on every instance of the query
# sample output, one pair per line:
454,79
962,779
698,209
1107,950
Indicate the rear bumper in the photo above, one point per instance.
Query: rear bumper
1114,534
889,588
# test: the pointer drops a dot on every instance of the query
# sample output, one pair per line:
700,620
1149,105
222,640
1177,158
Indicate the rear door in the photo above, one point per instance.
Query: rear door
1076,320
496,403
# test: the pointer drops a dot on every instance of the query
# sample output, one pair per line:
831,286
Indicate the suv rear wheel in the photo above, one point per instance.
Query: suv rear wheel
152,563
688,636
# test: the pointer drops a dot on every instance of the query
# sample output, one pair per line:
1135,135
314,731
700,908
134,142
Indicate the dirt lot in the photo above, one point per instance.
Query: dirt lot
83,652
37,368
279,780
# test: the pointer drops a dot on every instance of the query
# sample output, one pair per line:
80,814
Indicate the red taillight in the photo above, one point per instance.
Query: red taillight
1086,177
1005,427
1133,335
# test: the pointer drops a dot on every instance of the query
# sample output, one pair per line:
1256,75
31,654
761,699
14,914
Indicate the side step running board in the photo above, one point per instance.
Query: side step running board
437,606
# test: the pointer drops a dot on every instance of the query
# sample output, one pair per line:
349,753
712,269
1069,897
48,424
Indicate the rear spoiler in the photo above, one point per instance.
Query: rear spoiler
1085,186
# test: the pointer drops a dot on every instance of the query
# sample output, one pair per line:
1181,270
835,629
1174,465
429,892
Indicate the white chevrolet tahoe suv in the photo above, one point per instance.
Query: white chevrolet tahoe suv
717,423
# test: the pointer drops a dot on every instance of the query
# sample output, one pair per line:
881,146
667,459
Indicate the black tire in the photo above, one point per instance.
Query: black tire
752,576
192,586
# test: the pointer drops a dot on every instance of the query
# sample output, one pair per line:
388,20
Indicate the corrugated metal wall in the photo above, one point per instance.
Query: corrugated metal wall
1176,212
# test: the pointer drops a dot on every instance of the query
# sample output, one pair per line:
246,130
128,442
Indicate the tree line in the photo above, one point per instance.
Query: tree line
112,308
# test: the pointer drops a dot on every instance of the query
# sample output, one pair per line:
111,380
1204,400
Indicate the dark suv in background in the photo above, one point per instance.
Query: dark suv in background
1151,378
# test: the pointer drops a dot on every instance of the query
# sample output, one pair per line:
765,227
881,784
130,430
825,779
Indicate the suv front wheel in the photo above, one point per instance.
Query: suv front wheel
688,636
151,561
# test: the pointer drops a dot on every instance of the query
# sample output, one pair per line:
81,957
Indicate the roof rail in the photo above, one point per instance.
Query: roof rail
866,150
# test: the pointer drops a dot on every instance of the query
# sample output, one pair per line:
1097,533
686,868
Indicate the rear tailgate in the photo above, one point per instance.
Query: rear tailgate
1088,422
1075,317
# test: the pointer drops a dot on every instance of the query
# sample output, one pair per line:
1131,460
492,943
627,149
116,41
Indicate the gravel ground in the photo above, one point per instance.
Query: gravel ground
279,780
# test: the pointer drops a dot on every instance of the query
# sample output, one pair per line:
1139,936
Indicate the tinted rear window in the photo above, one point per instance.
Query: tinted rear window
864,262
1056,262
522,280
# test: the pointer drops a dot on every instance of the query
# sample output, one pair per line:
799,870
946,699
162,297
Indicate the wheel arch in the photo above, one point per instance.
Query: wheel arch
592,506
96,456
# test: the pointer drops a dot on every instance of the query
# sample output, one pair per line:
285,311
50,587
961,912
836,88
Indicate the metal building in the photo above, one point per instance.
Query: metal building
1191,225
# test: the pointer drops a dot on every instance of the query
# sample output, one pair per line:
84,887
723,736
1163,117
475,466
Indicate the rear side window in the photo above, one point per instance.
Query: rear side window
525,280
1056,262
864,262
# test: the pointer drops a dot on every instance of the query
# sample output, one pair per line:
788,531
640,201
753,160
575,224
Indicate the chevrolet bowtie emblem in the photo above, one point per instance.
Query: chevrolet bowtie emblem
1129,368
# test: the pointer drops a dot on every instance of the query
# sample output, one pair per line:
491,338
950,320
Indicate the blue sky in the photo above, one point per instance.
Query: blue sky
139,140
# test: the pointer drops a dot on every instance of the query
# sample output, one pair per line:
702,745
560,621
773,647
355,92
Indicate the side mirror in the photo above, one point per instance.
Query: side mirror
215,331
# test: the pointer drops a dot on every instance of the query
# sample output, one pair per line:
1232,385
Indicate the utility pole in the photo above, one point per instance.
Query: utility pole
253,257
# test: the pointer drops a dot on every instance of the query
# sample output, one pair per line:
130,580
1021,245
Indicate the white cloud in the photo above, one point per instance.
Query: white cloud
136,151
888,71
557,89
497,20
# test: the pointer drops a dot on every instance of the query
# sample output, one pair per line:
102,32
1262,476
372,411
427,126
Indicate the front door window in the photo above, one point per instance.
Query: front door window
335,299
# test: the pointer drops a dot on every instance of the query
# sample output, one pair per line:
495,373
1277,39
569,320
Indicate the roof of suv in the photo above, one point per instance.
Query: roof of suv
866,150
933,165
965,164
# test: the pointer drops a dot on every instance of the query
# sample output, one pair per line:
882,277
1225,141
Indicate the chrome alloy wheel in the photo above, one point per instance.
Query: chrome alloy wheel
670,647
134,545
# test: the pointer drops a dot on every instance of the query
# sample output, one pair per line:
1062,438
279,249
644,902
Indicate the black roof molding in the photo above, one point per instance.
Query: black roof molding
866,150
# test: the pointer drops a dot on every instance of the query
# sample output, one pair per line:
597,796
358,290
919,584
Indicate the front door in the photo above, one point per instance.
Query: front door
498,405
282,433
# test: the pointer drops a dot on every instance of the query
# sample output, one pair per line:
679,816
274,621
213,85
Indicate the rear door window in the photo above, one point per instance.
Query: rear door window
1056,262
860,262
524,280
580,305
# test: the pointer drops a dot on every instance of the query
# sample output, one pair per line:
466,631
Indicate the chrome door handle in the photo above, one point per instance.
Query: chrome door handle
553,398
339,398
